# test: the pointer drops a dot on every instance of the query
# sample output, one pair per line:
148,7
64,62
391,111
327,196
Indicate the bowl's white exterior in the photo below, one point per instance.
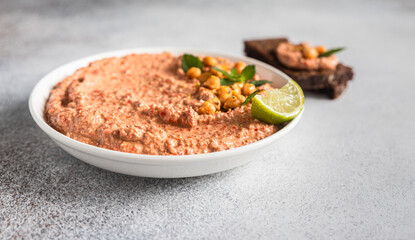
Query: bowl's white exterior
152,165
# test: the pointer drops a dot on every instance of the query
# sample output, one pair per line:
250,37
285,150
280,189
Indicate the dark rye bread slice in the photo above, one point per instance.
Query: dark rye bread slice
331,82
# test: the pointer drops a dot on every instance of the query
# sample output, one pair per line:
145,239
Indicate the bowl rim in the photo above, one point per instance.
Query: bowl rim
144,158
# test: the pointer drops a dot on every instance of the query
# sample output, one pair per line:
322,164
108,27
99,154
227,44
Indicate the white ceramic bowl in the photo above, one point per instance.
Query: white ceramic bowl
152,165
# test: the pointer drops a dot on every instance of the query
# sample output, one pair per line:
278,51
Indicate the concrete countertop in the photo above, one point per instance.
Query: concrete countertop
346,172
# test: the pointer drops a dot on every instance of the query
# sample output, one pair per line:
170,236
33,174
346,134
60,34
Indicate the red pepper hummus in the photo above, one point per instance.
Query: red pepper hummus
143,103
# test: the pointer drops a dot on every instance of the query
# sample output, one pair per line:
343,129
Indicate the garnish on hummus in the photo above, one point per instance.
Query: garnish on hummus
160,104
304,56
230,88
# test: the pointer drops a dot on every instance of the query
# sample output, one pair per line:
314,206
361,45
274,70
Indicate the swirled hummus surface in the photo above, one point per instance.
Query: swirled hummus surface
143,103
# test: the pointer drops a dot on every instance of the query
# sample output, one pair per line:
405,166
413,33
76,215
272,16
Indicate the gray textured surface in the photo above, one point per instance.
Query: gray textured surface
346,172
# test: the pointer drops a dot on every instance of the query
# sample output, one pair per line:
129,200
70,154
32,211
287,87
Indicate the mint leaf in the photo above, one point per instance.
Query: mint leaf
249,98
258,83
226,82
189,61
247,73
234,73
331,51
224,73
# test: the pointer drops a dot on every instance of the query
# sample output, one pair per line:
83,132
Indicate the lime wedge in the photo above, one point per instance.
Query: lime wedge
280,105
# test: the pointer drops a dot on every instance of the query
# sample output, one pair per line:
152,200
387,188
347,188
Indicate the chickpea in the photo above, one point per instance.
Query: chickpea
237,85
240,97
239,66
216,102
224,93
236,91
210,61
224,89
236,88
248,89
224,67
193,72
305,45
207,108
321,49
213,82
204,77
231,103
310,53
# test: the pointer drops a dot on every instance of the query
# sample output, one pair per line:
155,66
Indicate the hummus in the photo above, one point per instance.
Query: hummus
143,103
289,55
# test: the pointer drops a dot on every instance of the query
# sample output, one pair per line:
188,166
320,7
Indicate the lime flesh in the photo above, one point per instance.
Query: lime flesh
280,105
